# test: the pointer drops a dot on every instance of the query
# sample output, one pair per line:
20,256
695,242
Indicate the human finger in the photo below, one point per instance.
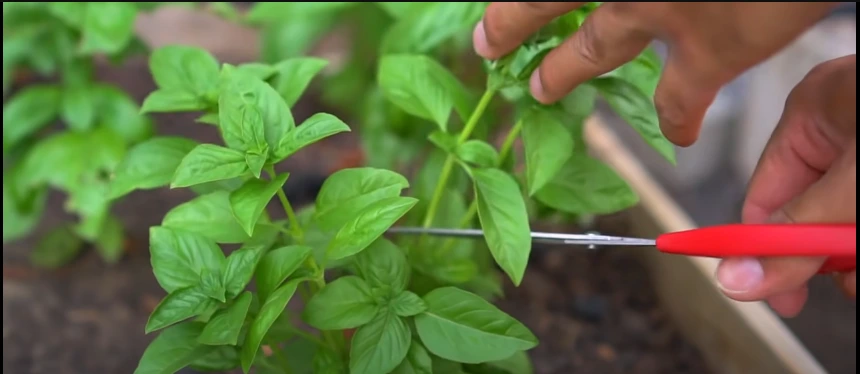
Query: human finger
506,26
848,283
789,304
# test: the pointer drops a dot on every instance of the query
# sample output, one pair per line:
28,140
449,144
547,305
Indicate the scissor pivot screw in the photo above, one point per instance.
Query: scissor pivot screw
592,233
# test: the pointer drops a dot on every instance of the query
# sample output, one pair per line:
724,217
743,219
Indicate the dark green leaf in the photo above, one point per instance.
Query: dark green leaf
548,145
72,13
445,141
382,264
252,115
379,346
463,327
269,312
28,112
240,268
250,200
179,257
358,233
220,359
417,361
346,192
21,209
79,107
178,306
294,75
150,164
212,286
327,362
505,221
175,348
277,265
184,69
225,325
636,109
57,248
167,100
209,215
108,27
478,153
111,239
423,88
587,186
314,129
408,304
343,304
208,163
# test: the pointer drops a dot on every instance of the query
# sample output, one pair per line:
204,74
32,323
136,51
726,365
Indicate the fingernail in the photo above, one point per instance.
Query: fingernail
479,40
536,86
739,275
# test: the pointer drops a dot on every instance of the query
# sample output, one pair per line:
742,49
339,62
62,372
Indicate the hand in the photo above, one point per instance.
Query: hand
709,44
807,173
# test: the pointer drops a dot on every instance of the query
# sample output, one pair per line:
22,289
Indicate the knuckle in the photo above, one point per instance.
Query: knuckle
587,44
535,8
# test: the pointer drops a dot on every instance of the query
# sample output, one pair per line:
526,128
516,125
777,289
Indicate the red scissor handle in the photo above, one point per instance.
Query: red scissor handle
837,242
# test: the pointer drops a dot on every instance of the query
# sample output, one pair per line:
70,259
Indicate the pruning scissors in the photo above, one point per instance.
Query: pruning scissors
836,242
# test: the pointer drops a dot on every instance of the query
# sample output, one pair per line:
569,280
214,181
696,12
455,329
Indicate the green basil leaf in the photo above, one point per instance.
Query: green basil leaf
108,27
175,348
417,361
220,359
257,70
379,346
478,153
587,186
120,113
209,215
212,285
208,118
368,226
21,209
408,304
166,100
28,112
252,115
423,88
346,192
149,165
57,248
548,145
250,200
78,107
445,141
399,10
240,268
636,109
184,69
277,265
383,264
463,327
225,325
643,72
314,129
208,163
505,220
293,76
269,312
255,161
179,305
425,30
179,257
518,363
343,304
109,242
327,362
72,13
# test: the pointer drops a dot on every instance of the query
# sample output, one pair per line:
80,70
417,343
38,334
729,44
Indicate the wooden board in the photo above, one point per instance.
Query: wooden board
735,337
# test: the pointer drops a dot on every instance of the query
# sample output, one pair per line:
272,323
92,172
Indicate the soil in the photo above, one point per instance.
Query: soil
594,312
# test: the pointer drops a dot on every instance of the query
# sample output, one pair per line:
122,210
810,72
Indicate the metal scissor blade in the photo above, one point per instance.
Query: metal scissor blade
544,237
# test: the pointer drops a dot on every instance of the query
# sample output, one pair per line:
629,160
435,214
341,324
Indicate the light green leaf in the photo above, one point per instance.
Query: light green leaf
343,304
643,72
256,161
408,304
277,265
110,241
250,200
463,327
29,111
445,141
150,164
179,305
57,248
175,348
478,153
185,69
379,346
240,268
417,361
293,76
209,215
346,192
120,113
167,100
383,264
637,110
79,107
314,129
209,163
257,70
505,220
548,145
108,27
179,257
423,88
225,325
587,186
269,312
368,226
212,285
430,26
252,115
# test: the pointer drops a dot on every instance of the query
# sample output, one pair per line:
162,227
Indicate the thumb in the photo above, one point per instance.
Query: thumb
832,199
